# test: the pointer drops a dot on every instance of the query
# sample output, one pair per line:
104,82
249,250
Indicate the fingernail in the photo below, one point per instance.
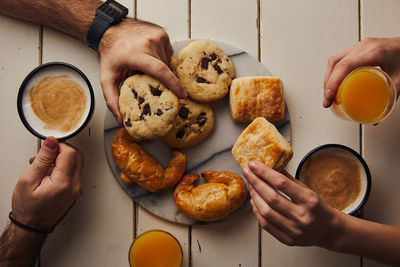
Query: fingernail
184,94
246,171
253,165
51,143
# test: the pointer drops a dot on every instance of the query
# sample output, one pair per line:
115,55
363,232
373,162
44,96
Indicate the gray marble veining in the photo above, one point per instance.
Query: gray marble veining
212,154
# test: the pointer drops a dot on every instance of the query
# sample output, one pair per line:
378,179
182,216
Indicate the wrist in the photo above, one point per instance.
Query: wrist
21,233
113,33
29,227
19,247
337,231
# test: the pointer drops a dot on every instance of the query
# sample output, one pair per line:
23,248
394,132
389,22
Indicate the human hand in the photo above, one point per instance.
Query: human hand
139,46
48,188
303,220
382,52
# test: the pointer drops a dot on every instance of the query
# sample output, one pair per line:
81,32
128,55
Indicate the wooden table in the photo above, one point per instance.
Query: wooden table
293,39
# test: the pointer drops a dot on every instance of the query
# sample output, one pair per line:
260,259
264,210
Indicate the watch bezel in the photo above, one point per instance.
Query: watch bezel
108,10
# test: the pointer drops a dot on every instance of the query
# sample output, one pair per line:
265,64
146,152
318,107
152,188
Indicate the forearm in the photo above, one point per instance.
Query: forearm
368,239
73,17
19,247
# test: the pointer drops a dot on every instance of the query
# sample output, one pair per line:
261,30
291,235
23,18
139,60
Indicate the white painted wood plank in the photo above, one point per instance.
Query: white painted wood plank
298,37
173,16
99,229
380,19
233,22
19,46
233,243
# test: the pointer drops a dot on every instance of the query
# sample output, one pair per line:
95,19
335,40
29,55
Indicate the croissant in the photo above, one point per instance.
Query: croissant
137,165
224,192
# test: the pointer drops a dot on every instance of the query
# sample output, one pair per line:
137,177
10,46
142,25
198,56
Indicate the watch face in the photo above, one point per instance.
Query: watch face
118,7
112,11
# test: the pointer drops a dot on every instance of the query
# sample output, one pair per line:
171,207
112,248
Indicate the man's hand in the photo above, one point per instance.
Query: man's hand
48,188
137,46
303,220
382,52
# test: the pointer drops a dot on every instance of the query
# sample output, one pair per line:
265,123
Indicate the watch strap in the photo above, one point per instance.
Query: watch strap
96,31
107,14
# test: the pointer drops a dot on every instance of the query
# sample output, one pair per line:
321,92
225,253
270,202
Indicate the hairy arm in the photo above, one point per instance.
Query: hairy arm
19,247
130,45
72,17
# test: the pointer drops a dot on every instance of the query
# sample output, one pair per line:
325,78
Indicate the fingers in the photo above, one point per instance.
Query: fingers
111,92
259,190
159,70
269,227
169,53
276,180
272,215
79,166
43,161
66,165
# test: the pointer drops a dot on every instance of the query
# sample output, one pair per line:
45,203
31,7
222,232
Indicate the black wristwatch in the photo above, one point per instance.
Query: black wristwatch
107,14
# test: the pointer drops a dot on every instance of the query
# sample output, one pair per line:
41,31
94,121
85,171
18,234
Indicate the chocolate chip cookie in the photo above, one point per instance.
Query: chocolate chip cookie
204,70
147,107
195,121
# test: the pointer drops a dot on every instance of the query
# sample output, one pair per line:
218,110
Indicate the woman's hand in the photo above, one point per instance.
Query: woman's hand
382,52
303,219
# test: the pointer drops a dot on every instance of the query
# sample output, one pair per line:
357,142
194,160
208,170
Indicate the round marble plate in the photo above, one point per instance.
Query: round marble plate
212,154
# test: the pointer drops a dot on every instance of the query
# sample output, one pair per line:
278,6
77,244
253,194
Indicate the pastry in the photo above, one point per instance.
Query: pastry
195,121
224,192
204,71
262,142
138,166
147,107
252,97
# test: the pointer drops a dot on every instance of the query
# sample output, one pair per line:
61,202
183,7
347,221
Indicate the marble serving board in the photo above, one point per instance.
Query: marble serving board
214,153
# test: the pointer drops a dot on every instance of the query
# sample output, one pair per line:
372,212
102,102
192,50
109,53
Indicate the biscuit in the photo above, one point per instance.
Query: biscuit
195,121
204,70
252,97
262,142
147,107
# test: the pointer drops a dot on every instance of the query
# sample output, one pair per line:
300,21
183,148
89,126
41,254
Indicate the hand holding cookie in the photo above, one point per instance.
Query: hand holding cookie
135,45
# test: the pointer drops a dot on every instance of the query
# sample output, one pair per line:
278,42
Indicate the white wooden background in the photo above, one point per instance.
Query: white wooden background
293,39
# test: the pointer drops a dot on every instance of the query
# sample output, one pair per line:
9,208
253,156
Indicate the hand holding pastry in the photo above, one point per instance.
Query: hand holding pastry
135,45
303,220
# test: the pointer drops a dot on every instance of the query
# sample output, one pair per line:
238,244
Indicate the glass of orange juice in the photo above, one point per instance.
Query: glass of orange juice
155,248
366,95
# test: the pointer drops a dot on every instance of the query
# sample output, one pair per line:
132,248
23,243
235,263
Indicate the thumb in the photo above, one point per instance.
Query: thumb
44,159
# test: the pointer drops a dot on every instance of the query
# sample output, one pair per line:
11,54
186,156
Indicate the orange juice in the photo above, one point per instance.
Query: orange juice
155,249
367,95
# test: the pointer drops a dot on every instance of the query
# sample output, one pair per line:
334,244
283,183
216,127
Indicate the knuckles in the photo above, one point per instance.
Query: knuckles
266,213
159,67
282,184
